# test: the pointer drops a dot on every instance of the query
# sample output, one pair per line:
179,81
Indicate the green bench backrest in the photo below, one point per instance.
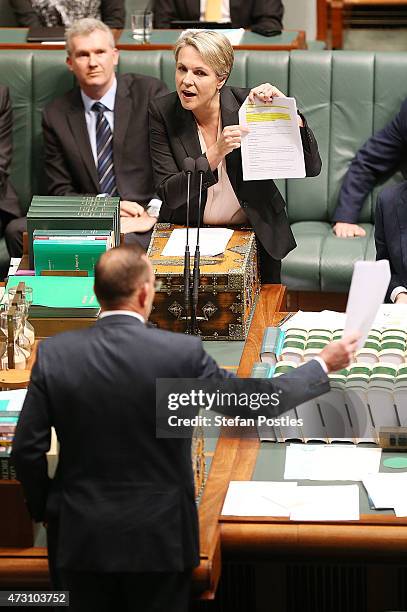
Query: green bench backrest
346,96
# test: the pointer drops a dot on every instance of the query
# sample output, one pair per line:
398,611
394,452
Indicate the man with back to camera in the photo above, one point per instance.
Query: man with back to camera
96,135
121,512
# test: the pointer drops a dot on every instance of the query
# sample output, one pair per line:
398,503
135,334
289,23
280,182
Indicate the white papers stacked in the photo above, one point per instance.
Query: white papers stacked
212,241
286,499
388,491
330,462
273,148
327,319
256,498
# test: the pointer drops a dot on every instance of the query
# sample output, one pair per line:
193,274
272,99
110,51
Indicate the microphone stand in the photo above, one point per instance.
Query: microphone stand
201,166
189,168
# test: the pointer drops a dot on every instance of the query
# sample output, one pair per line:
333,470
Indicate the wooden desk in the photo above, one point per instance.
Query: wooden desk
289,40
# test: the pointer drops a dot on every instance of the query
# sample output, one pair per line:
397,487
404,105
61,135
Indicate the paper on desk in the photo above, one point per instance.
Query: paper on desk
330,462
387,490
212,241
327,319
326,503
234,35
391,315
257,498
370,280
273,148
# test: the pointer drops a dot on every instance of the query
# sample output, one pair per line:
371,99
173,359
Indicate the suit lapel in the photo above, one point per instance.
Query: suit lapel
187,132
230,109
77,124
402,223
122,113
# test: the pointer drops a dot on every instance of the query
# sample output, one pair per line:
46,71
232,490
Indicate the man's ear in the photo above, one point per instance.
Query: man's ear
143,294
115,57
68,62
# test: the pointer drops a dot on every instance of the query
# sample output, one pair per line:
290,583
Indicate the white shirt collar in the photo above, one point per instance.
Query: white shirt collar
129,313
108,99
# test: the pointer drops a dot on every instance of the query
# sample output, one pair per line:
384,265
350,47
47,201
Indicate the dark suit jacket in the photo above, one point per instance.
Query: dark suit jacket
391,233
124,498
264,14
380,157
174,136
112,13
69,163
8,197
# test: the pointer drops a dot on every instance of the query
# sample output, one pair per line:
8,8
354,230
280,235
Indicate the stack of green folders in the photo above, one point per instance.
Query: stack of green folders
60,296
69,249
73,213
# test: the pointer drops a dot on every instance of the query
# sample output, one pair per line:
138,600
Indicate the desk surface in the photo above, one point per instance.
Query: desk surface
15,38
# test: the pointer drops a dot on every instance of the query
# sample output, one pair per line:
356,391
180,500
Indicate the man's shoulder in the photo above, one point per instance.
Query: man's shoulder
62,104
173,341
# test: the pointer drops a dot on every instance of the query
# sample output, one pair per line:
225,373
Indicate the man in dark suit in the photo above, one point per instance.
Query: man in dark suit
121,512
380,157
101,128
49,13
262,16
391,238
10,212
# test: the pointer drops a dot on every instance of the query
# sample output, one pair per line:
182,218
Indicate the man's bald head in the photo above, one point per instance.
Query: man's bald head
119,274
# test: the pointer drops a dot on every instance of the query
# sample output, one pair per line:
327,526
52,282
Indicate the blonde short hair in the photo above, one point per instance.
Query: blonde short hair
214,48
84,27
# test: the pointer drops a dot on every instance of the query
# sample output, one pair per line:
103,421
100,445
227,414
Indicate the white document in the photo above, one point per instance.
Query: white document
387,490
326,503
257,498
327,319
212,241
391,316
12,400
14,263
370,280
234,35
273,148
330,462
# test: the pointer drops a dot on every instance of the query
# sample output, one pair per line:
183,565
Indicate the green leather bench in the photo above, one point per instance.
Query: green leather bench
346,96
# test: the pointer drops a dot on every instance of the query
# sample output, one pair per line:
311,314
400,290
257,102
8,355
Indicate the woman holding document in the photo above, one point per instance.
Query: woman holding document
201,118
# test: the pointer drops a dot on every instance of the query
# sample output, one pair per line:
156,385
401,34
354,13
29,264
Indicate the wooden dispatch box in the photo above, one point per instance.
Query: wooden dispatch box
228,290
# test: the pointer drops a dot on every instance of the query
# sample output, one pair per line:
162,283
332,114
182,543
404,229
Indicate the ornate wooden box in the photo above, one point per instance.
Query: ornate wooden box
228,288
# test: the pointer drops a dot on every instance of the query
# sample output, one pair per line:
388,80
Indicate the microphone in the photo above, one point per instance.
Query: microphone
188,167
201,166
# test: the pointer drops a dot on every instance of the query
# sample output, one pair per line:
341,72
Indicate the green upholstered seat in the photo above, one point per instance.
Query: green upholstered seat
346,97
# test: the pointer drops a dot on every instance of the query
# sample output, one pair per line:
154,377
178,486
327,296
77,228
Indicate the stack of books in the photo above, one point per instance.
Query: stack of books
73,213
11,403
60,296
77,250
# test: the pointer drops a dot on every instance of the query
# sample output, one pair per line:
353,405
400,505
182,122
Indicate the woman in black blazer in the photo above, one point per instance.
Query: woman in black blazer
46,13
202,115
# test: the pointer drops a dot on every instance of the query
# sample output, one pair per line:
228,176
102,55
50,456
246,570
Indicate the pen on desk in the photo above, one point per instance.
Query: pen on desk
284,319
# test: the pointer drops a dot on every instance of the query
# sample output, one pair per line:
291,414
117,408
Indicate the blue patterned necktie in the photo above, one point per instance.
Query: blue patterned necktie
104,148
